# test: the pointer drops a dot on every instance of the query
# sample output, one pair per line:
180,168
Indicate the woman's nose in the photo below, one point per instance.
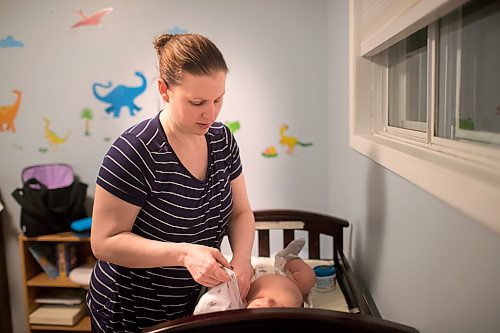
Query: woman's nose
209,111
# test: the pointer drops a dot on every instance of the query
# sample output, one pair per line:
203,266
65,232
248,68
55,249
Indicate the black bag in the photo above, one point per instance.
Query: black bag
51,198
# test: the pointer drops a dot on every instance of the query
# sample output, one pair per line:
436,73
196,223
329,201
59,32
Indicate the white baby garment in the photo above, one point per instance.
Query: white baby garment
225,296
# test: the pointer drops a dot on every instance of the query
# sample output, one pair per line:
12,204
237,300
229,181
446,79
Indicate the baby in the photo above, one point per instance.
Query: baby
286,284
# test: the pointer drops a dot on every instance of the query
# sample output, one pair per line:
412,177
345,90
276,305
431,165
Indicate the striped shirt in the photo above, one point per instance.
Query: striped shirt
142,169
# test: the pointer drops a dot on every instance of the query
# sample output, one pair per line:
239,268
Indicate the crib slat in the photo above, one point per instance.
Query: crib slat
288,236
313,244
263,243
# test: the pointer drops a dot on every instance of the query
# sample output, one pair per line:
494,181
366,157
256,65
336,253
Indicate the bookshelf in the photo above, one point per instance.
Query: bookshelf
36,282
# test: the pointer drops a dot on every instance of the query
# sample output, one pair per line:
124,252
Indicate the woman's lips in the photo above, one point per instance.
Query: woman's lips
204,126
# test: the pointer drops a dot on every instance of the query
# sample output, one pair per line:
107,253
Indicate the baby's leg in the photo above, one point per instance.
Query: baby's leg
301,274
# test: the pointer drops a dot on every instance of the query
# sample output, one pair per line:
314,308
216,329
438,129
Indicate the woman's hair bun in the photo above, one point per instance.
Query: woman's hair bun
161,41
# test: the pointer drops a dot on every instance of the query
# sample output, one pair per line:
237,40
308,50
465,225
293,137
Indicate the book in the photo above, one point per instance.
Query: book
62,296
56,314
45,256
66,258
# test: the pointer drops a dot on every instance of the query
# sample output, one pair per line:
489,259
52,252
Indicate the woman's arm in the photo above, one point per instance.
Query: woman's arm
241,234
112,240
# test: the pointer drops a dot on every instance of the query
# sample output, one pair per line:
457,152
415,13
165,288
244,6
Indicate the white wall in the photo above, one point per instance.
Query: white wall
425,264
277,54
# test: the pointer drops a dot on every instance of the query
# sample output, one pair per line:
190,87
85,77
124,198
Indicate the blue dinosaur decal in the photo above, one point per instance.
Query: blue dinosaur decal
120,96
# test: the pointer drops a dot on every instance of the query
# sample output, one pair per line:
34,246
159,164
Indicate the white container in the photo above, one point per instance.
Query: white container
325,278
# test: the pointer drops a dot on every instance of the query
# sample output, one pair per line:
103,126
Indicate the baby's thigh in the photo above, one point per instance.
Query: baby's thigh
301,274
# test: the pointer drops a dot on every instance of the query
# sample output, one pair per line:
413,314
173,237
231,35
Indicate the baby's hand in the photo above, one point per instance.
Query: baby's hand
205,265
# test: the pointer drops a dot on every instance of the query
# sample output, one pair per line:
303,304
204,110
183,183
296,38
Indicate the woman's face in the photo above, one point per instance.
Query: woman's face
196,102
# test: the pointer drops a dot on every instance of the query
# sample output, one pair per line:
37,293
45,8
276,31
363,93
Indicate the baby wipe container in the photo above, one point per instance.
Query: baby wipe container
325,277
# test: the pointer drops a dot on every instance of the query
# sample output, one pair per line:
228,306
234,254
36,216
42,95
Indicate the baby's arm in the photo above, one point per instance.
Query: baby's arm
301,274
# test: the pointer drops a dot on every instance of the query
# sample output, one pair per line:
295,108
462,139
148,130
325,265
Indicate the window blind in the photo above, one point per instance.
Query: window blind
382,23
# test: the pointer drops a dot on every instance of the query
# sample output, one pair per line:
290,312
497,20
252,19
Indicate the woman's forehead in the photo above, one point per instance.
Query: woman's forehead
203,86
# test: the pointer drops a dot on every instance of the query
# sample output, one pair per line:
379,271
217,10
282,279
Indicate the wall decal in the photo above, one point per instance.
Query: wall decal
233,126
270,152
289,141
43,150
17,147
176,30
9,112
53,139
120,96
87,115
94,19
9,41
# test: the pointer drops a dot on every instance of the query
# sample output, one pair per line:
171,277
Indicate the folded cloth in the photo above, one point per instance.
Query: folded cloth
225,296
81,274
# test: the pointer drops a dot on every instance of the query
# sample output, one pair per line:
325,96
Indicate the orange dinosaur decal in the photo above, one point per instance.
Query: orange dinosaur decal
9,112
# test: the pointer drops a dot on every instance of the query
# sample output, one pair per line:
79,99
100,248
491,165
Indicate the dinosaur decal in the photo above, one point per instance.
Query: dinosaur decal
52,137
9,112
121,96
94,19
289,141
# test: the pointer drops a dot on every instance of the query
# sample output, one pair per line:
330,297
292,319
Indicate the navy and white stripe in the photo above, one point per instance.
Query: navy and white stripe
142,169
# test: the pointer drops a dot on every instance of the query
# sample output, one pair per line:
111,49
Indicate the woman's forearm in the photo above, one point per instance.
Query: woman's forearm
131,250
241,234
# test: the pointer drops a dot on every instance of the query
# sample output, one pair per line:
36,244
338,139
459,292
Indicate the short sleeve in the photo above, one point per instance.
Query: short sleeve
235,166
124,171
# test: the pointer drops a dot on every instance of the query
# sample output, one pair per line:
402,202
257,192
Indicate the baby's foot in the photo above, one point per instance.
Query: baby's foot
292,249
290,252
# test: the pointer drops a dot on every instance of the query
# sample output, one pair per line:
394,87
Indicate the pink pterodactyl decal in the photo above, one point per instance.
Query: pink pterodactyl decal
94,19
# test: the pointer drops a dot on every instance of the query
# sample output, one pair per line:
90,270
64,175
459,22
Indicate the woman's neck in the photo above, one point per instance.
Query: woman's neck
177,136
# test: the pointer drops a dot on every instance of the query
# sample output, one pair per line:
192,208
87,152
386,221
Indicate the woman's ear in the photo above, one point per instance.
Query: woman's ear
163,89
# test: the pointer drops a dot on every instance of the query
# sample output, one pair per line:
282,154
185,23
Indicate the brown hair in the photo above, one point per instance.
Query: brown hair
192,53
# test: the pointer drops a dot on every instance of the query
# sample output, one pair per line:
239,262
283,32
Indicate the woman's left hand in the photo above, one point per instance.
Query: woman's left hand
244,273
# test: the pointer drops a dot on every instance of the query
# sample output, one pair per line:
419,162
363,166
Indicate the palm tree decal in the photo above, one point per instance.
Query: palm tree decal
87,115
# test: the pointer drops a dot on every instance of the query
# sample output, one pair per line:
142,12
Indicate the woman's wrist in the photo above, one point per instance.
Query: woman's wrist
179,251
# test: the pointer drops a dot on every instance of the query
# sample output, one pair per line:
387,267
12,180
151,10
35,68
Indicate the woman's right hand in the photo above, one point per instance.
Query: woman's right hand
205,265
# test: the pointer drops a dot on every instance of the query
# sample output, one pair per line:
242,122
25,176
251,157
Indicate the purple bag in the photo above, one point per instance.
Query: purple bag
51,198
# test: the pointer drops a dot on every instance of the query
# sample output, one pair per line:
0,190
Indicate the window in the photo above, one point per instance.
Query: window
425,97
408,82
469,74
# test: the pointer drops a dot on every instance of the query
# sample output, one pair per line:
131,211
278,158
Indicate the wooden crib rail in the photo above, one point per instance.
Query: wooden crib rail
290,220
279,319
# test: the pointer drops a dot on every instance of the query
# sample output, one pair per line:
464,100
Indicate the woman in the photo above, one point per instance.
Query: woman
167,192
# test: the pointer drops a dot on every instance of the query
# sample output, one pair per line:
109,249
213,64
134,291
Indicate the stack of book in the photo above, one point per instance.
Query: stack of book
57,314
59,307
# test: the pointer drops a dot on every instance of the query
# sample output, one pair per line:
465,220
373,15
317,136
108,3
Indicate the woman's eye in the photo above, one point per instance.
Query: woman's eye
196,103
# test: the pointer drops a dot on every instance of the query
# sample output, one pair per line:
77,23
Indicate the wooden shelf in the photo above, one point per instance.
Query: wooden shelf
61,237
83,326
43,280
36,282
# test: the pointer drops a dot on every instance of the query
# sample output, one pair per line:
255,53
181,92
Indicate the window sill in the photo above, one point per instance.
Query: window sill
466,186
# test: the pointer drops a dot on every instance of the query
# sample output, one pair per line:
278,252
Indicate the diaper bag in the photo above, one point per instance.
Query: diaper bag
51,198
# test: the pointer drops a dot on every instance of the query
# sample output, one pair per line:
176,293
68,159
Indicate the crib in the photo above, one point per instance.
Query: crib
347,308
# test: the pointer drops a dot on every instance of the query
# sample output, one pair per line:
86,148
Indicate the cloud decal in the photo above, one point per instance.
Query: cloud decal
9,41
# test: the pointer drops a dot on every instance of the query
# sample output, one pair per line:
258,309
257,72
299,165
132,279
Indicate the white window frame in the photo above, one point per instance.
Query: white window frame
464,175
